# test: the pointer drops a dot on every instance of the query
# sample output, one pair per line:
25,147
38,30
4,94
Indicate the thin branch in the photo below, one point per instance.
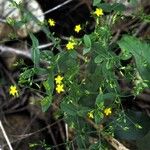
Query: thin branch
19,52
57,7
23,53
67,132
142,26
20,137
5,136
3,20
115,38
45,45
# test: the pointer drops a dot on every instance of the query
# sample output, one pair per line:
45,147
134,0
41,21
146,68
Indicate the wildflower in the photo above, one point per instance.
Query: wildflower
77,28
70,45
13,90
60,88
51,22
90,115
58,79
98,12
107,111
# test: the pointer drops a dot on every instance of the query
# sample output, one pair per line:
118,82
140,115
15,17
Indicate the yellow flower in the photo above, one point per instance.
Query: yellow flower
107,111
60,88
51,22
70,45
98,12
90,115
13,90
58,79
77,28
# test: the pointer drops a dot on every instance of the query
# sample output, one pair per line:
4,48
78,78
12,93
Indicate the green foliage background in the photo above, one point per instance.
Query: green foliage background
91,78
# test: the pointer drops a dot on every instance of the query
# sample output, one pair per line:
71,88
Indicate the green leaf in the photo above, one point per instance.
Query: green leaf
95,146
46,102
87,41
100,100
83,111
86,50
73,54
98,116
141,142
68,108
41,71
49,84
47,55
134,2
112,7
105,6
35,52
98,59
118,7
26,76
125,56
132,120
106,97
140,50
18,24
96,2
109,96
81,141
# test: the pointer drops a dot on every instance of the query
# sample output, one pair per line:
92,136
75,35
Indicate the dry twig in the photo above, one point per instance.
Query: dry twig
5,135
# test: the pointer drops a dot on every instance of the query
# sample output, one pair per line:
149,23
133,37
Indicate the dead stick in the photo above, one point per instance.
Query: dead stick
5,135
21,52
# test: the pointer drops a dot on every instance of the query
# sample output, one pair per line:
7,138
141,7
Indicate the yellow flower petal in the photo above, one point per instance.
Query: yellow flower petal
77,28
13,90
51,22
107,111
60,88
98,12
58,79
70,45
90,115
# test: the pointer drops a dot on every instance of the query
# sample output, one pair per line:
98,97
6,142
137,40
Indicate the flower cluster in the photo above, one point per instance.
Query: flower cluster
70,45
106,111
52,23
59,84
